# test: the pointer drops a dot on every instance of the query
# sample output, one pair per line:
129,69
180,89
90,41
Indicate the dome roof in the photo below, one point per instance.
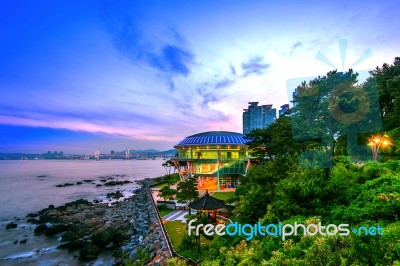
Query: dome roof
214,137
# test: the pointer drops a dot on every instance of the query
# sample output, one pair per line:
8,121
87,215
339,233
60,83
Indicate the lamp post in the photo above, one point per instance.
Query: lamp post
376,142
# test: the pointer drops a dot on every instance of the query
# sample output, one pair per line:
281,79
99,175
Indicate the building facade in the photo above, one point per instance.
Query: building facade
283,110
219,159
256,116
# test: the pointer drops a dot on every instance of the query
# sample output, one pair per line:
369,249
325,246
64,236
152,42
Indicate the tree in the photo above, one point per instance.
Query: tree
193,240
187,190
167,193
259,187
388,81
168,165
274,141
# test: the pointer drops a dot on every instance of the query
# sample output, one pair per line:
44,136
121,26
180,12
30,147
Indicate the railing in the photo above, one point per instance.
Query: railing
171,249
164,232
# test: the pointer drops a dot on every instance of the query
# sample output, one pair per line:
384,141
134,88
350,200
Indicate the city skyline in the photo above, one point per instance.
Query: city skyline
89,76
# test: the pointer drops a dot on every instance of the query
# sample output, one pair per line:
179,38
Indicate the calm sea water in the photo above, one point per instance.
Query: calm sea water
29,186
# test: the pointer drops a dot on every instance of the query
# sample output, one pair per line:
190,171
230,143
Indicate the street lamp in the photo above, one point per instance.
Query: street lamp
376,142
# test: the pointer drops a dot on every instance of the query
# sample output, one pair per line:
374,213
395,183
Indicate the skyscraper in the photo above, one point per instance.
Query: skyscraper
257,116
294,96
283,110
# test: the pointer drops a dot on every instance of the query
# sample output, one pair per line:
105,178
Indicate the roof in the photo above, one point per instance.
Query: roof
207,202
214,138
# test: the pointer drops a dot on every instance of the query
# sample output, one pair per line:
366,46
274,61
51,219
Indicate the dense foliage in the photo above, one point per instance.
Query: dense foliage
351,190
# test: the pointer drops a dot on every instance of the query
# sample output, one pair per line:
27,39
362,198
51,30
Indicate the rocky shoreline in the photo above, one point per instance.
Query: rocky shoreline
128,229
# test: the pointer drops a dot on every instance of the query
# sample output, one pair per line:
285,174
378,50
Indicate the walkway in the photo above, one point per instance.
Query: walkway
178,215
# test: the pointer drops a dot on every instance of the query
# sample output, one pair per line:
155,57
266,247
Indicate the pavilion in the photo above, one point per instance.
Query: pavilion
219,159
208,204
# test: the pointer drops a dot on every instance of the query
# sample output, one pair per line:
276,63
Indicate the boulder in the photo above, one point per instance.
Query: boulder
11,225
40,229
89,252
107,234
33,221
55,229
74,244
68,236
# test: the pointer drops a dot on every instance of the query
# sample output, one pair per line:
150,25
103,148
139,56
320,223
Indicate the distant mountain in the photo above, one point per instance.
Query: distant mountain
172,151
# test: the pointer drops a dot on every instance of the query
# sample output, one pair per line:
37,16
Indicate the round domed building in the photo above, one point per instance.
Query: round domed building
217,158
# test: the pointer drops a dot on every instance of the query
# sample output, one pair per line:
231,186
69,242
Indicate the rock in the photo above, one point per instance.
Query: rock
82,207
115,195
152,255
55,229
40,229
68,236
164,244
159,252
11,226
122,233
51,214
166,254
33,221
74,244
163,262
23,241
65,185
107,234
89,252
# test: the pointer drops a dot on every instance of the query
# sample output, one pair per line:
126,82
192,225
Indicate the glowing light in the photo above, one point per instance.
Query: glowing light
385,142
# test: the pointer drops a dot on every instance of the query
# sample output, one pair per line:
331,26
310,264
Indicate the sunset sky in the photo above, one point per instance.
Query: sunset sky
80,76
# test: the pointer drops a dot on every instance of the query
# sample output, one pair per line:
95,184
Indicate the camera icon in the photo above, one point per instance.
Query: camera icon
332,105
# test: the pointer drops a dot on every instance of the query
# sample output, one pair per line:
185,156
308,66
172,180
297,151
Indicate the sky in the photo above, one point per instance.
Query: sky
80,76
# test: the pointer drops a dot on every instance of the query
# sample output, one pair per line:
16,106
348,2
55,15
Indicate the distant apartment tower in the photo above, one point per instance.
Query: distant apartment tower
294,97
257,116
283,110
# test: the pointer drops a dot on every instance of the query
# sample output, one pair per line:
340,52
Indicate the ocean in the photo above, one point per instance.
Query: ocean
28,186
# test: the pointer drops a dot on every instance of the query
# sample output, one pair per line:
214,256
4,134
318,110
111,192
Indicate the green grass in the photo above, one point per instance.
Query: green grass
175,230
165,211
225,196
161,185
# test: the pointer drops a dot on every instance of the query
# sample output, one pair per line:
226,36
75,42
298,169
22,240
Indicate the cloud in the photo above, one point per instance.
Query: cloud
233,70
224,83
164,53
172,59
255,66
296,45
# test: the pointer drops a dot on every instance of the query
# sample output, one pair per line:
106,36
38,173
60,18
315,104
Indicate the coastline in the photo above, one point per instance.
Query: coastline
127,230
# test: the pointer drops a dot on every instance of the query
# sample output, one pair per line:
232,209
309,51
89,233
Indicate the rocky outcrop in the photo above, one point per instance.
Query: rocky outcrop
11,226
124,228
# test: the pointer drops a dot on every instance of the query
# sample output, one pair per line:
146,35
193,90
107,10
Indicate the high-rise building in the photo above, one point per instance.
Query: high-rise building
283,110
294,96
257,116
246,121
